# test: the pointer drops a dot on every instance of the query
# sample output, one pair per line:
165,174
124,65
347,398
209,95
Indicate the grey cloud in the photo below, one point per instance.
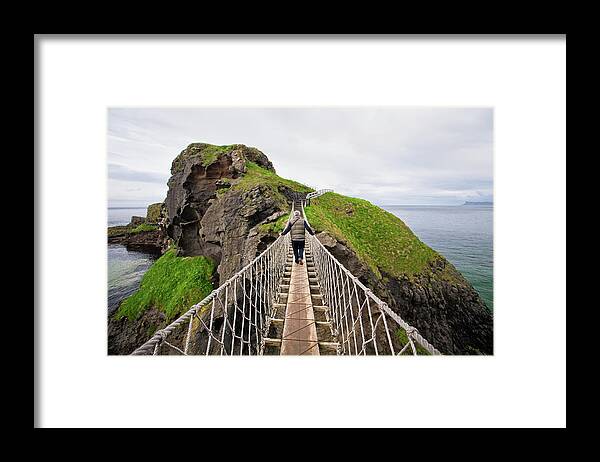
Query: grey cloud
388,155
120,172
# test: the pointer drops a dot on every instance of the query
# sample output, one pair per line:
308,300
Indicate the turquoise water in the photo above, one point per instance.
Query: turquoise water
125,271
125,267
463,234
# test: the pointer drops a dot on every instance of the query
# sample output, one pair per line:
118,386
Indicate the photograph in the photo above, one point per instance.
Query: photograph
316,231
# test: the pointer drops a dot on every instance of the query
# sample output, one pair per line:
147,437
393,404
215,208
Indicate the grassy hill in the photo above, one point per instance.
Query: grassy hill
256,175
379,238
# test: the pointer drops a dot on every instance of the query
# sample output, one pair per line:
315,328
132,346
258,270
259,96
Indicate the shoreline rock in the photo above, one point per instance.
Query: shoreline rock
145,234
145,241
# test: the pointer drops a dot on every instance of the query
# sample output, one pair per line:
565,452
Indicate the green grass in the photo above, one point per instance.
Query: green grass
473,351
403,338
223,185
113,231
172,285
207,152
276,226
211,152
144,227
379,238
256,176
153,213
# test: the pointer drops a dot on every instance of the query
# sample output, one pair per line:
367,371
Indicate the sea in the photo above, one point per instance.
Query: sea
463,234
125,267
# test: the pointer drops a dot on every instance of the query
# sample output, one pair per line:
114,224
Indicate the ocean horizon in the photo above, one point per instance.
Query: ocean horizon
461,233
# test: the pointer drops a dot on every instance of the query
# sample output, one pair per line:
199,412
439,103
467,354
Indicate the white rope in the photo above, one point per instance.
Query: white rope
317,193
241,304
353,308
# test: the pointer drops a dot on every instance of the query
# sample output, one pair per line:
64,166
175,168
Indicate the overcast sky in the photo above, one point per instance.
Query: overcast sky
385,155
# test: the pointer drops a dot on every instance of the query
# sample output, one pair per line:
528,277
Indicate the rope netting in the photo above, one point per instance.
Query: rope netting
233,319
361,322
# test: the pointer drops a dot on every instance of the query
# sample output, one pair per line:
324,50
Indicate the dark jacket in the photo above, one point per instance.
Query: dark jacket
297,227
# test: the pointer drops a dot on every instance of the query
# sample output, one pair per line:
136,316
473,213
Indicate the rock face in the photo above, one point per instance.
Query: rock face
451,315
208,216
135,221
124,336
440,303
153,215
147,241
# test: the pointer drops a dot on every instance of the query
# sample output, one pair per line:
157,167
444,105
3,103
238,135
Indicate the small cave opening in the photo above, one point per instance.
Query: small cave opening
218,169
265,242
189,241
260,216
196,174
189,214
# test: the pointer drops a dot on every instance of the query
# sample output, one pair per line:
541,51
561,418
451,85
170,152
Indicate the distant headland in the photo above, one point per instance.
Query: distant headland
478,203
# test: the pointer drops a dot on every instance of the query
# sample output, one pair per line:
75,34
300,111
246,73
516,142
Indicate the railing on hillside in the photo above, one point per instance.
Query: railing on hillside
234,318
317,193
362,323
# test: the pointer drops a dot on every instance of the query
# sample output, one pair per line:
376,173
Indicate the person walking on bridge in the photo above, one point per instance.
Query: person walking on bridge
297,225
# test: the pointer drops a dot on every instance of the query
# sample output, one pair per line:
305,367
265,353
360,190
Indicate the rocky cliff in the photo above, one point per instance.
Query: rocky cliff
219,197
228,204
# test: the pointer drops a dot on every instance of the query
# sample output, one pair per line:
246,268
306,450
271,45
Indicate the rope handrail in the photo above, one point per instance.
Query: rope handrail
317,193
345,301
254,287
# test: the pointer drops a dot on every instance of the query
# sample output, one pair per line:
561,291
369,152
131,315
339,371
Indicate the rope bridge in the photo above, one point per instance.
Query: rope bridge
240,316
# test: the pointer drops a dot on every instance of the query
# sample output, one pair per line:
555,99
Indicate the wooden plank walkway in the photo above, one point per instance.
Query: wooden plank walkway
299,328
